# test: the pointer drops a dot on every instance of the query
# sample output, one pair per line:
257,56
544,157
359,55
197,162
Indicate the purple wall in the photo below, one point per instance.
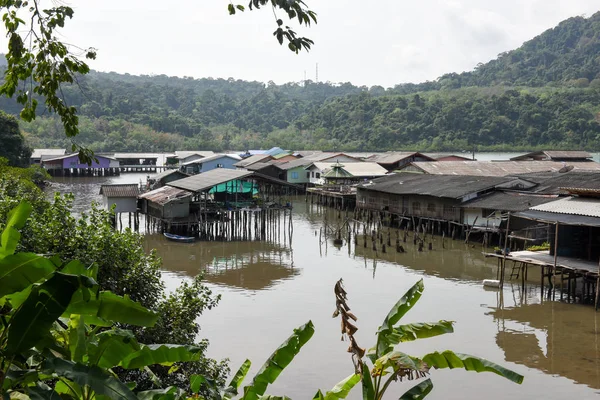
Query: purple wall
73,162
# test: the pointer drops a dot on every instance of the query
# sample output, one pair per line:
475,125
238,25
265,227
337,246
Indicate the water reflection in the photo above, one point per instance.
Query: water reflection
244,265
556,338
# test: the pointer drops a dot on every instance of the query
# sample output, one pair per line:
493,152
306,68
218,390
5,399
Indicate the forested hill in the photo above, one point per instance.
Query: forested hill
544,94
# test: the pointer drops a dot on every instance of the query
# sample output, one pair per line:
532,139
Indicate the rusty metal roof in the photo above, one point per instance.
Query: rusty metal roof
495,168
120,190
557,182
572,206
208,179
504,201
165,195
448,186
252,160
555,155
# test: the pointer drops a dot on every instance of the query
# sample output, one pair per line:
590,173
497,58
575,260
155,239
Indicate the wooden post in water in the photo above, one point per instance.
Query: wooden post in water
555,261
504,252
597,288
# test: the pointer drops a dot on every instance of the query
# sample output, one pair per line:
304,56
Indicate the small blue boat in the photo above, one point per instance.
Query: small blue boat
178,238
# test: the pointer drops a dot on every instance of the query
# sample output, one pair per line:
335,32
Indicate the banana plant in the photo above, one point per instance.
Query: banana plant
389,365
57,326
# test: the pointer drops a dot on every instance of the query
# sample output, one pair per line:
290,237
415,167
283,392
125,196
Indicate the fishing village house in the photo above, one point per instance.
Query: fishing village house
43,154
269,169
494,168
182,157
205,164
69,164
394,160
247,161
343,174
555,155
165,177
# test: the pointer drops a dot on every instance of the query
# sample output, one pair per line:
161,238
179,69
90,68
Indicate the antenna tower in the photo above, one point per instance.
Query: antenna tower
317,73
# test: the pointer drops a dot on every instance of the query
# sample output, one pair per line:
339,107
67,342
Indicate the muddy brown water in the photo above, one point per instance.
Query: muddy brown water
268,289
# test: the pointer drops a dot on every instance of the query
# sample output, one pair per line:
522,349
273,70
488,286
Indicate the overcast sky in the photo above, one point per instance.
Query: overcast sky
366,42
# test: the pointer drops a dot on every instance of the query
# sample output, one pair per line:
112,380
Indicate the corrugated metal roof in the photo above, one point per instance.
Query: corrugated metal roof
76,154
165,195
185,154
572,206
496,168
394,157
437,156
555,154
208,179
448,186
213,157
554,182
504,201
356,169
135,156
251,160
553,218
38,153
120,190
261,165
168,172
301,162
281,155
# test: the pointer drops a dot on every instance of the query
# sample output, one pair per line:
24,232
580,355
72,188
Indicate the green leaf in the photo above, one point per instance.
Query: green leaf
65,386
236,381
77,338
368,388
96,378
18,271
343,388
420,330
419,391
231,9
385,331
449,359
110,307
113,346
170,393
76,267
280,359
10,236
161,354
396,360
41,309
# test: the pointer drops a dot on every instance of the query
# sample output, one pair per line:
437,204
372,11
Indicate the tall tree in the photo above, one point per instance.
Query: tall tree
13,146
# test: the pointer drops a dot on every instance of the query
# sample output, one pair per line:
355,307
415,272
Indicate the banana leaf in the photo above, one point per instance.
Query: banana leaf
170,393
420,330
368,389
101,382
419,391
236,381
449,359
385,332
280,359
161,354
10,236
110,307
396,360
21,270
43,306
77,338
112,347
341,390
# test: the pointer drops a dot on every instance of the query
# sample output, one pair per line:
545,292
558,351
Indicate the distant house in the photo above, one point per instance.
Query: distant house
555,155
353,172
447,157
434,197
71,161
283,157
41,154
493,168
295,172
123,196
165,177
331,157
205,164
166,203
137,158
182,157
269,169
394,160
244,163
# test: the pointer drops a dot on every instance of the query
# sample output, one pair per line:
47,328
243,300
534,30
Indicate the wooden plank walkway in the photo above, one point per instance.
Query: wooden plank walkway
544,259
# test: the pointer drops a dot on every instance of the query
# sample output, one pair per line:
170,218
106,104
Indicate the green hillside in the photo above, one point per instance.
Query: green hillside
544,94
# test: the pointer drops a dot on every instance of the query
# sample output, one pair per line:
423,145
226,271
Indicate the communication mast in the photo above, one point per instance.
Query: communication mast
317,73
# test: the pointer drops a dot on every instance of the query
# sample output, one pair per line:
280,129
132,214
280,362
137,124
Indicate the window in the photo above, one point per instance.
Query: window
294,175
307,175
487,213
431,207
219,165
416,206
318,175
313,174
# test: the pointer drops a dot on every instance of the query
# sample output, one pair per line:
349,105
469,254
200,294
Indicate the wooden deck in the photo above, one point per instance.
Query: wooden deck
544,259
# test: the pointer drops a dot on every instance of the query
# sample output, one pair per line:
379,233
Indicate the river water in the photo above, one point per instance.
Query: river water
268,289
